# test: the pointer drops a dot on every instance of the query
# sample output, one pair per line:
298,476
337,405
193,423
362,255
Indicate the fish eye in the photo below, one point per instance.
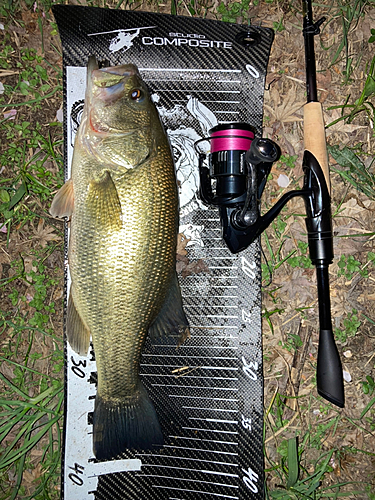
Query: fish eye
137,95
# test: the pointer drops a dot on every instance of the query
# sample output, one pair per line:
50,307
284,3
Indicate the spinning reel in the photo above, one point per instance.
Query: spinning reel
235,178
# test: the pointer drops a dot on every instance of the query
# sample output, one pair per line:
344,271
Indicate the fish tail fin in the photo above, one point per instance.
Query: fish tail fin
120,425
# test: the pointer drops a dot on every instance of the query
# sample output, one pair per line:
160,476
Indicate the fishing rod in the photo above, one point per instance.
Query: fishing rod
234,177
329,374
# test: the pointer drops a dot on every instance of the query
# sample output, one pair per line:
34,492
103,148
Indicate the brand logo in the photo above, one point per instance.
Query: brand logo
189,39
123,39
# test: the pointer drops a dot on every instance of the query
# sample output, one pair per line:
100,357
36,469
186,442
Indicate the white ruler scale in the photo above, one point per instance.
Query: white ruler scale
208,393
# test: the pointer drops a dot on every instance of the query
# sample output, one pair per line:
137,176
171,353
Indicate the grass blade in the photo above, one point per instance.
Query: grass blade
19,478
28,444
368,406
293,465
12,386
356,172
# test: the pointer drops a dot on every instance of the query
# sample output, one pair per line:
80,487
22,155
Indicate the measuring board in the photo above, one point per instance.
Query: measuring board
208,393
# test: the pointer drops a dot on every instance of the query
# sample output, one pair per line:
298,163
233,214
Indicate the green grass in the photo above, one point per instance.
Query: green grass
32,418
32,392
31,352
230,11
297,475
353,170
347,14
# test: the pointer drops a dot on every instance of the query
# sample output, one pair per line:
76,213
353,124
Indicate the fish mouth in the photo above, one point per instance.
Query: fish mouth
126,70
108,84
110,76
101,128
123,70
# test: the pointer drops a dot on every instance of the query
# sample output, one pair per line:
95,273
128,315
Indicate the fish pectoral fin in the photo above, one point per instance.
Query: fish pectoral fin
103,201
63,202
171,318
77,333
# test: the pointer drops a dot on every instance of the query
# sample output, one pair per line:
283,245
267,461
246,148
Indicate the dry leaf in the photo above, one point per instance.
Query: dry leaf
346,245
341,126
184,265
354,209
7,370
182,241
27,477
298,286
324,81
339,305
282,110
45,234
36,454
28,263
293,142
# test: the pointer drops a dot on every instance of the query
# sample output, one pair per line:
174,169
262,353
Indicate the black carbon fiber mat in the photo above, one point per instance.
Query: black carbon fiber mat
208,394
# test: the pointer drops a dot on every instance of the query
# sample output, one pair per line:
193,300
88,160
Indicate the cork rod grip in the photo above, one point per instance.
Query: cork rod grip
315,136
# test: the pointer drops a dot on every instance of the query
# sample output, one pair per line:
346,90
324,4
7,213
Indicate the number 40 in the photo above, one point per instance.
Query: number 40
250,479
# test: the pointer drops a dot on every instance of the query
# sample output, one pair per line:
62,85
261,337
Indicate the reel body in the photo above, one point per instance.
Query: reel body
234,180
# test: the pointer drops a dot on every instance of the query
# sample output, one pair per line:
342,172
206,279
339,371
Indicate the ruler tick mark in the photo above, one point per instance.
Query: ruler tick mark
209,430
196,491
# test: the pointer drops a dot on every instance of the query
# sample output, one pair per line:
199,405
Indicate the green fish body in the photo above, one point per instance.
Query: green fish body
123,202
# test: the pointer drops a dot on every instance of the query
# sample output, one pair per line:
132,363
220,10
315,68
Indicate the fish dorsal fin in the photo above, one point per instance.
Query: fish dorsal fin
171,318
103,202
63,202
77,332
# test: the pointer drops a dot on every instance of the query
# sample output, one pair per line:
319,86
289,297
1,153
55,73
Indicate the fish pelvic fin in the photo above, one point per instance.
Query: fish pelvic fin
129,424
63,202
77,333
103,202
171,318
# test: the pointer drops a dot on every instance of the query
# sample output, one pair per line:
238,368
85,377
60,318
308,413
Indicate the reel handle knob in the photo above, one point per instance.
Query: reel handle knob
262,150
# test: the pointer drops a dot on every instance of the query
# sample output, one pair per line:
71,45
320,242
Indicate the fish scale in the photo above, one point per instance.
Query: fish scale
137,277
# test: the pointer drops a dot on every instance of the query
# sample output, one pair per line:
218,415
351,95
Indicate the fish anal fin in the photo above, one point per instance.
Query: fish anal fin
63,202
171,318
77,333
103,201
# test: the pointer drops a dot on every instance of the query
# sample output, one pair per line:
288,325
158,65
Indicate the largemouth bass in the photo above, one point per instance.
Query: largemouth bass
123,202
